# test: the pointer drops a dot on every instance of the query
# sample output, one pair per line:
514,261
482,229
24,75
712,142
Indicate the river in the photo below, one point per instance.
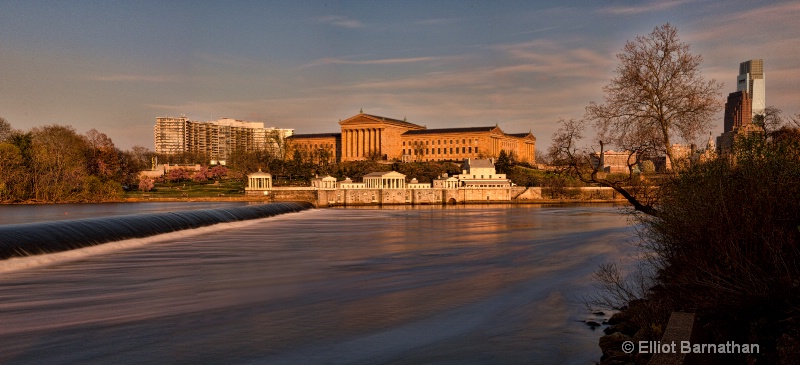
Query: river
468,284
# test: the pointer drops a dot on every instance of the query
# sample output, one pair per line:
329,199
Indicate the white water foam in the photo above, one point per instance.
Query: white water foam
14,264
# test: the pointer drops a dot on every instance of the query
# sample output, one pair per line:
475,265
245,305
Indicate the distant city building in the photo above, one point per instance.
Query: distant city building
751,80
614,162
366,136
738,112
743,105
217,139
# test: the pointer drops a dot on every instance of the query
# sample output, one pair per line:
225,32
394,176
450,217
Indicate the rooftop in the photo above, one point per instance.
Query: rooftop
451,130
315,135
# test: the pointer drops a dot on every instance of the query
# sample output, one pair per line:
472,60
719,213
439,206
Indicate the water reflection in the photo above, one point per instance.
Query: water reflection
466,284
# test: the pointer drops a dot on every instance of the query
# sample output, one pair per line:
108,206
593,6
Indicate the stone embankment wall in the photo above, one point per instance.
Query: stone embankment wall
344,197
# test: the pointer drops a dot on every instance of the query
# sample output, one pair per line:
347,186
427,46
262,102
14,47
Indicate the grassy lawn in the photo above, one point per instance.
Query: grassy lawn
191,189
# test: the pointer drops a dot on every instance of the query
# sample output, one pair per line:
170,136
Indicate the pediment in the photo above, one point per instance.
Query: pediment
369,119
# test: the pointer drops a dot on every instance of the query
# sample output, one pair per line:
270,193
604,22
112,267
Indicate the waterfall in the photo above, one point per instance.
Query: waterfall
47,237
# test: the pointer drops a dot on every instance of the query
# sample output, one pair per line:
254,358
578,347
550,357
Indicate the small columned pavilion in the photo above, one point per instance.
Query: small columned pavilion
385,180
258,182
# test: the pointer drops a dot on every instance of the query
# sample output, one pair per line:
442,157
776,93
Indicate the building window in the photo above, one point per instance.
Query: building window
463,150
476,149
470,150
463,141
451,149
439,151
404,143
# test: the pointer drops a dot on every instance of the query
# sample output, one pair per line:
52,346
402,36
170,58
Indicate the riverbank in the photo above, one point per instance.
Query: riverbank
261,199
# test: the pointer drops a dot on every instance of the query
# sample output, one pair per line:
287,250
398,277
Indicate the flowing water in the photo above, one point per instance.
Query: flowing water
398,285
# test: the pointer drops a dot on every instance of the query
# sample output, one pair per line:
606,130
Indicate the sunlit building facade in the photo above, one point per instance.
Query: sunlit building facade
217,139
373,137
751,79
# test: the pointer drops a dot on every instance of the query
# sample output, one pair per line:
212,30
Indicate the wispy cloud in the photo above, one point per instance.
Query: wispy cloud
340,21
439,21
385,61
132,78
552,59
643,8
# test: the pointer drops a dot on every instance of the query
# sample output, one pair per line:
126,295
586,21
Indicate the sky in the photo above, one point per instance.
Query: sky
115,66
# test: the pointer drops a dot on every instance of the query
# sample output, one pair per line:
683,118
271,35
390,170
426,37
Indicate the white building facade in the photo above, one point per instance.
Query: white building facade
751,79
217,139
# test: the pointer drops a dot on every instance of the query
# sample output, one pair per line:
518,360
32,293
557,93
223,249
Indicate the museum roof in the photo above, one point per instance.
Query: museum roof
315,135
384,173
451,130
479,163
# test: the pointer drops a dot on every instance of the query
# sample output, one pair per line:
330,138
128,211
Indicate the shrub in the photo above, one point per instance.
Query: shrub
146,184
727,243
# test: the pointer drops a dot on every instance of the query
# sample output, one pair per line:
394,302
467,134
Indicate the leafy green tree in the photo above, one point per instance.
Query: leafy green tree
58,163
503,163
12,172
5,130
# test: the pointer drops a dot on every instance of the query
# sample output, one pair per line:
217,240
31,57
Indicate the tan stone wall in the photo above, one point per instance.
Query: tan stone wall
288,194
521,193
344,197
427,196
458,146
445,146
482,195
310,148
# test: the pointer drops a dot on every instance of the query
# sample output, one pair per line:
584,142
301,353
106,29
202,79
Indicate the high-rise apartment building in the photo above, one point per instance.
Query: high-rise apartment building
751,80
217,139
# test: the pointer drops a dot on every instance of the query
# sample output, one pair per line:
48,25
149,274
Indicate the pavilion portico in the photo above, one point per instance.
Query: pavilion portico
258,182
385,180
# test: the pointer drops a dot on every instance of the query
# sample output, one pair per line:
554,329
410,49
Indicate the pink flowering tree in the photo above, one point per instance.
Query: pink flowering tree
146,183
218,172
177,175
202,175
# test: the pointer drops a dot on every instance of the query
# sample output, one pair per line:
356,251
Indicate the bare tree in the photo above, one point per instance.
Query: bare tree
771,119
795,120
5,129
656,98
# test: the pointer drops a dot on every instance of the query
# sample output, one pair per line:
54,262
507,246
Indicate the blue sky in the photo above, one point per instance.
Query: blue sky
117,65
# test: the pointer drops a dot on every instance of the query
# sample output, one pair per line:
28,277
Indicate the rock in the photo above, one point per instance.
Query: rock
627,328
618,317
611,344
592,324
599,313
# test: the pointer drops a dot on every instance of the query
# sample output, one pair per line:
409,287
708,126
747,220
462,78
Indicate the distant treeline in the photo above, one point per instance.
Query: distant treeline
54,163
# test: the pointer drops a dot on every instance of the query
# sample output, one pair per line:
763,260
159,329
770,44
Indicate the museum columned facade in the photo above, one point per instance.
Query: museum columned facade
372,137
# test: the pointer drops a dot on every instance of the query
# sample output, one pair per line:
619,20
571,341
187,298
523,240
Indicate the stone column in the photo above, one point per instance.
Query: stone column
364,141
372,140
375,140
349,143
360,143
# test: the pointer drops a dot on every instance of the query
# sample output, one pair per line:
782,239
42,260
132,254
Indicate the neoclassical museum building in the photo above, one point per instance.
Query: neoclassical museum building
366,136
